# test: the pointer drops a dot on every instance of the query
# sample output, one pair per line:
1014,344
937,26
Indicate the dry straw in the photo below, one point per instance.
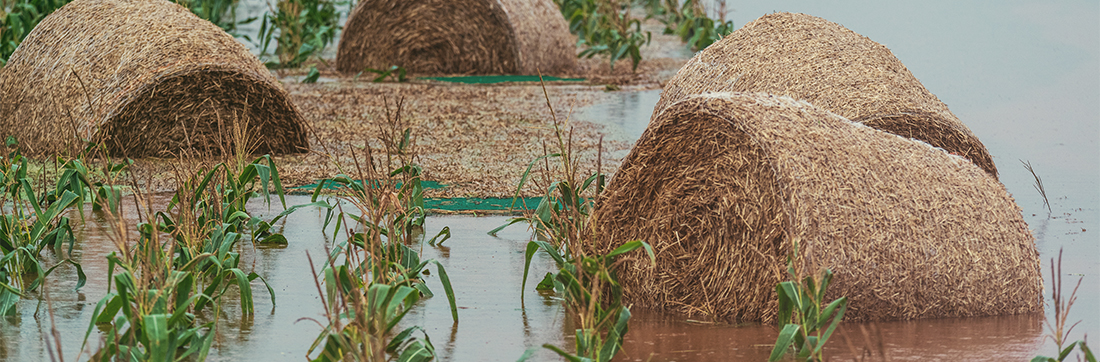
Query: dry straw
812,59
457,37
145,78
723,185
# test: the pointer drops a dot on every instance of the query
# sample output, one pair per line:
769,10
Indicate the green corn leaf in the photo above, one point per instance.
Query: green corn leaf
788,301
246,290
510,222
532,247
547,282
786,336
843,304
568,357
445,233
156,334
1065,351
446,280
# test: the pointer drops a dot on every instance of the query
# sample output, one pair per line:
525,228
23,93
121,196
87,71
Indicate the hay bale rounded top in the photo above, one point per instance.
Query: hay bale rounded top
813,59
145,78
457,37
724,184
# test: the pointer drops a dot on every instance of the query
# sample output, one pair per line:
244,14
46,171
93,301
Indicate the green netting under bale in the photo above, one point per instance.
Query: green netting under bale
457,204
329,185
476,204
492,79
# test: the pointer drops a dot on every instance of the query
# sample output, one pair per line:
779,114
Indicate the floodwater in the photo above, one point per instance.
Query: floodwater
1023,75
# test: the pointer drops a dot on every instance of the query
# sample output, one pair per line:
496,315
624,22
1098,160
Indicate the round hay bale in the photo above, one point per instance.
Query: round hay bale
810,58
722,185
144,78
457,37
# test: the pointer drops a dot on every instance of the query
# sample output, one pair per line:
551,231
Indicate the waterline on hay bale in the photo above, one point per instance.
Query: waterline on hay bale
722,185
457,37
812,59
146,78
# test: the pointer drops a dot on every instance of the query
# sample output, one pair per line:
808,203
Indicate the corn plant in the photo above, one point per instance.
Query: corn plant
372,278
300,29
183,263
18,18
395,72
222,13
32,220
802,318
690,22
1058,329
312,76
151,314
586,278
605,27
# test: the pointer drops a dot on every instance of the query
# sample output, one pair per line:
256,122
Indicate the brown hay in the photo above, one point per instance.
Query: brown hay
457,37
722,185
810,58
145,78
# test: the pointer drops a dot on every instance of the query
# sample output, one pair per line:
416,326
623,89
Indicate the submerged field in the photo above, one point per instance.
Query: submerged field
474,142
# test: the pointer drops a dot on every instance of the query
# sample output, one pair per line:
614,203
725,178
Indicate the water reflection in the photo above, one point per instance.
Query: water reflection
625,117
496,324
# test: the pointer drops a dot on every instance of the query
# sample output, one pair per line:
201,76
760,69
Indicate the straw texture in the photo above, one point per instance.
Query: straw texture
812,59
724,184
145,78
457,37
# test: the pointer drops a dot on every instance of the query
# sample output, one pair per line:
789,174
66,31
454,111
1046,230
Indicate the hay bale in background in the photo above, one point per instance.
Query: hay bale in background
457,37
810,58
144,77
722,185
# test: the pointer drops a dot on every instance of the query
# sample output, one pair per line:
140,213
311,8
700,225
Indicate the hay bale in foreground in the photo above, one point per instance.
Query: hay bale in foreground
813,59
722,185
457,37
145,78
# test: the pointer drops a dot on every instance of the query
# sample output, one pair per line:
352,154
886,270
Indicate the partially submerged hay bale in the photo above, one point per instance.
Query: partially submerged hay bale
812,59
457,37
722,185
145,78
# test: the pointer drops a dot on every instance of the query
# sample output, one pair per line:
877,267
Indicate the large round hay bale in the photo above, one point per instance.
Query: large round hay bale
145,78
457,37
722,185
812,59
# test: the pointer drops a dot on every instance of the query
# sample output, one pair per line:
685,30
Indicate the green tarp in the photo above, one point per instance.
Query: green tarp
448,204
491,79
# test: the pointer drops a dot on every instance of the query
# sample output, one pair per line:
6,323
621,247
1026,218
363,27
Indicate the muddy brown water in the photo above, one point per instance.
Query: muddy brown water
1024,75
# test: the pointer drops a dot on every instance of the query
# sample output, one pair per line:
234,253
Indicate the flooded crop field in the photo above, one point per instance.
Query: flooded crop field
1023,76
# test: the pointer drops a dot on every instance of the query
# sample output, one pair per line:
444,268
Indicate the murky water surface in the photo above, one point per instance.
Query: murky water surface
1023,75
